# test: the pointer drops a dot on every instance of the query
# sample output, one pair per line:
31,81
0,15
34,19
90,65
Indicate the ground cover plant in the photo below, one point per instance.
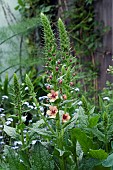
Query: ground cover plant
60,130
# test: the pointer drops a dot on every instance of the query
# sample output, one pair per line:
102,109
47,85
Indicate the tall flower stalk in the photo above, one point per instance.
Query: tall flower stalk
59,70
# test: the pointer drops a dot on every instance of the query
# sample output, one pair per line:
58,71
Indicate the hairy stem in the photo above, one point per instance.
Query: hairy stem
20,119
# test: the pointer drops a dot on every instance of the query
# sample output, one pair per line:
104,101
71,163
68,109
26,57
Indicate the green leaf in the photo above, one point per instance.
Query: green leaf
98,134
93,121
38,123
46,9
13,159
112,144
90,164
17,7
41,131
20,2
85,105
11,131
90,45
98,154
4,166
40,158
109,161
83,139
92,110
25,158
60,153
29,84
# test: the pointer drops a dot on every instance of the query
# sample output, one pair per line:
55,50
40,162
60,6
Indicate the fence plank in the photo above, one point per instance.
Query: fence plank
104,13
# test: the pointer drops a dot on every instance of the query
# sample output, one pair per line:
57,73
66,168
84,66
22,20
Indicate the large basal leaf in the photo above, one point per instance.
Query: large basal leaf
109,161
11,132
25,158
90,164
13,160
98,154
40,158
83,139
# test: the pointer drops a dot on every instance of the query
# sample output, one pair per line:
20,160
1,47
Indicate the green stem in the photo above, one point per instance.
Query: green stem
60,146
62,165
54,78
106,142
20,119
74,151
20,57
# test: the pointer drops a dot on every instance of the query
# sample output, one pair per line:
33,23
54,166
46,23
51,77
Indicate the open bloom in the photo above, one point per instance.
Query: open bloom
65,117
52,111
53,96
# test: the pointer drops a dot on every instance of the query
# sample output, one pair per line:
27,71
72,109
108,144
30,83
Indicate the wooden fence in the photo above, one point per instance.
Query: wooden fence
104,13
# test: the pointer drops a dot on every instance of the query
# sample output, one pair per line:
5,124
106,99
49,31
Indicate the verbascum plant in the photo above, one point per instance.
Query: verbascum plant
60,85
60,64
72,136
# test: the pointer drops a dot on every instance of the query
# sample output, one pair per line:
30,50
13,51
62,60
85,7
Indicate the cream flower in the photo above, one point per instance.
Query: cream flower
53,95
52,111
65,117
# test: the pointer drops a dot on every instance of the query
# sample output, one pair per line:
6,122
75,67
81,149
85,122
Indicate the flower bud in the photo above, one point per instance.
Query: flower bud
49,59
71,83
47,72
57,68
48,87
64,97
59,62
60,81
50,76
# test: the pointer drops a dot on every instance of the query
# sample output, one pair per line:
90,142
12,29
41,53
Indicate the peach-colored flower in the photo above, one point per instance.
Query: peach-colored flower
53,95
52,111
65,117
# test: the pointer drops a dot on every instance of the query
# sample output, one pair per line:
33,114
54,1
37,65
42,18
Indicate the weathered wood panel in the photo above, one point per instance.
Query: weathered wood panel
104,13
